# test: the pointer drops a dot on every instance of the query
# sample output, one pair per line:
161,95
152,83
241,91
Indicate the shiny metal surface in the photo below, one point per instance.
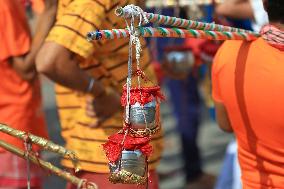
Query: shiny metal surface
140,116
182,61
131,161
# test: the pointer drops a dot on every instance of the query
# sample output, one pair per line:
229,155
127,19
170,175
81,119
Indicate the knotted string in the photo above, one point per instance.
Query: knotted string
133,11
130,11
273,36
28,151
28,148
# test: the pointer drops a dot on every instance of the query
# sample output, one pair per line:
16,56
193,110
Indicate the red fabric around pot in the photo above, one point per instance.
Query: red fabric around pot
114,146
142,95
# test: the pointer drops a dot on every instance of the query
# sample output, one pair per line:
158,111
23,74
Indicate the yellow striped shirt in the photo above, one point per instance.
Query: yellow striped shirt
107,62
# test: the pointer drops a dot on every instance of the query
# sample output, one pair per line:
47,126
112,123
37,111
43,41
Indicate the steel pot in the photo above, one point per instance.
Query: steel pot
140,116
131,161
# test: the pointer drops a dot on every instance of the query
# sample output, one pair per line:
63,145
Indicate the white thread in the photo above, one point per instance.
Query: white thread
130,11
28,148
91,85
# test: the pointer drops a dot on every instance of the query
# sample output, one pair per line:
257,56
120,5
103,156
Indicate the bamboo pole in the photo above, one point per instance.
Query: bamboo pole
45,144
81,183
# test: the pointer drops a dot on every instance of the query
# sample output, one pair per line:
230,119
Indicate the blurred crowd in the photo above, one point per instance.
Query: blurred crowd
48,38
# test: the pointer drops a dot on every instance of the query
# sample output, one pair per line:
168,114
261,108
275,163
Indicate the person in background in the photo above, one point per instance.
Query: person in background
249,9
230,176
186,103
89,78
20,98
245,107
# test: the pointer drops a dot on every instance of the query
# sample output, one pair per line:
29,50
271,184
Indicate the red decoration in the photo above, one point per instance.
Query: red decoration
159,71
114,146
142,95
210,48
141,74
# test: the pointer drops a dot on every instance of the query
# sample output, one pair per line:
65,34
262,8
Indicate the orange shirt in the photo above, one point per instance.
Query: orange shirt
38,6
20,101
260,137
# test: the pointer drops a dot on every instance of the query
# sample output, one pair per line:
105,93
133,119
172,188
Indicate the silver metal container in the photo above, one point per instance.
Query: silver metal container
182,61
142,115
131,161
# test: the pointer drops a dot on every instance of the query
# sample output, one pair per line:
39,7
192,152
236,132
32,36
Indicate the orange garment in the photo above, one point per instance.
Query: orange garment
107,62
20,101
38,6
260,137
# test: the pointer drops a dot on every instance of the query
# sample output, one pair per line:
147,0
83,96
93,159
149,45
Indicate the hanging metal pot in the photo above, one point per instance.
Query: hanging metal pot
182,60
142,112
130,169
140,116
178,61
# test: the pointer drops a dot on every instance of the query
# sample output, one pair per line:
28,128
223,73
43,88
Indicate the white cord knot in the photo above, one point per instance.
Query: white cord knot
130,11
135,40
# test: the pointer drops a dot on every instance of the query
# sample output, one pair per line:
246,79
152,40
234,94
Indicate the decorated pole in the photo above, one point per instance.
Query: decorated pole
129,10
169,3
82,184
45,144
171,33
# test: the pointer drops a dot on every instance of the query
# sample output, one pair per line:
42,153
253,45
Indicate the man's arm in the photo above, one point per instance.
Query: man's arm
60,65
25,66
64,49
238,9
222,117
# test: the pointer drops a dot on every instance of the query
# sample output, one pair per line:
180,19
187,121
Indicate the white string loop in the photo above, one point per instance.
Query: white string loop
130,11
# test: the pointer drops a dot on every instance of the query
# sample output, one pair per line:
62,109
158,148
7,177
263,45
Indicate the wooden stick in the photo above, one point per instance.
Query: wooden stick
45,144
81,183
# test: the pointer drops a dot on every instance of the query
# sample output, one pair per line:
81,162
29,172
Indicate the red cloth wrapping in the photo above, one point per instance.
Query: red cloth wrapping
148,95
113,147
210,48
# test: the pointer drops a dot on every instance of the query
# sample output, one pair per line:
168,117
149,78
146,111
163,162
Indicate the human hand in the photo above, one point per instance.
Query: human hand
26,70
103,106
